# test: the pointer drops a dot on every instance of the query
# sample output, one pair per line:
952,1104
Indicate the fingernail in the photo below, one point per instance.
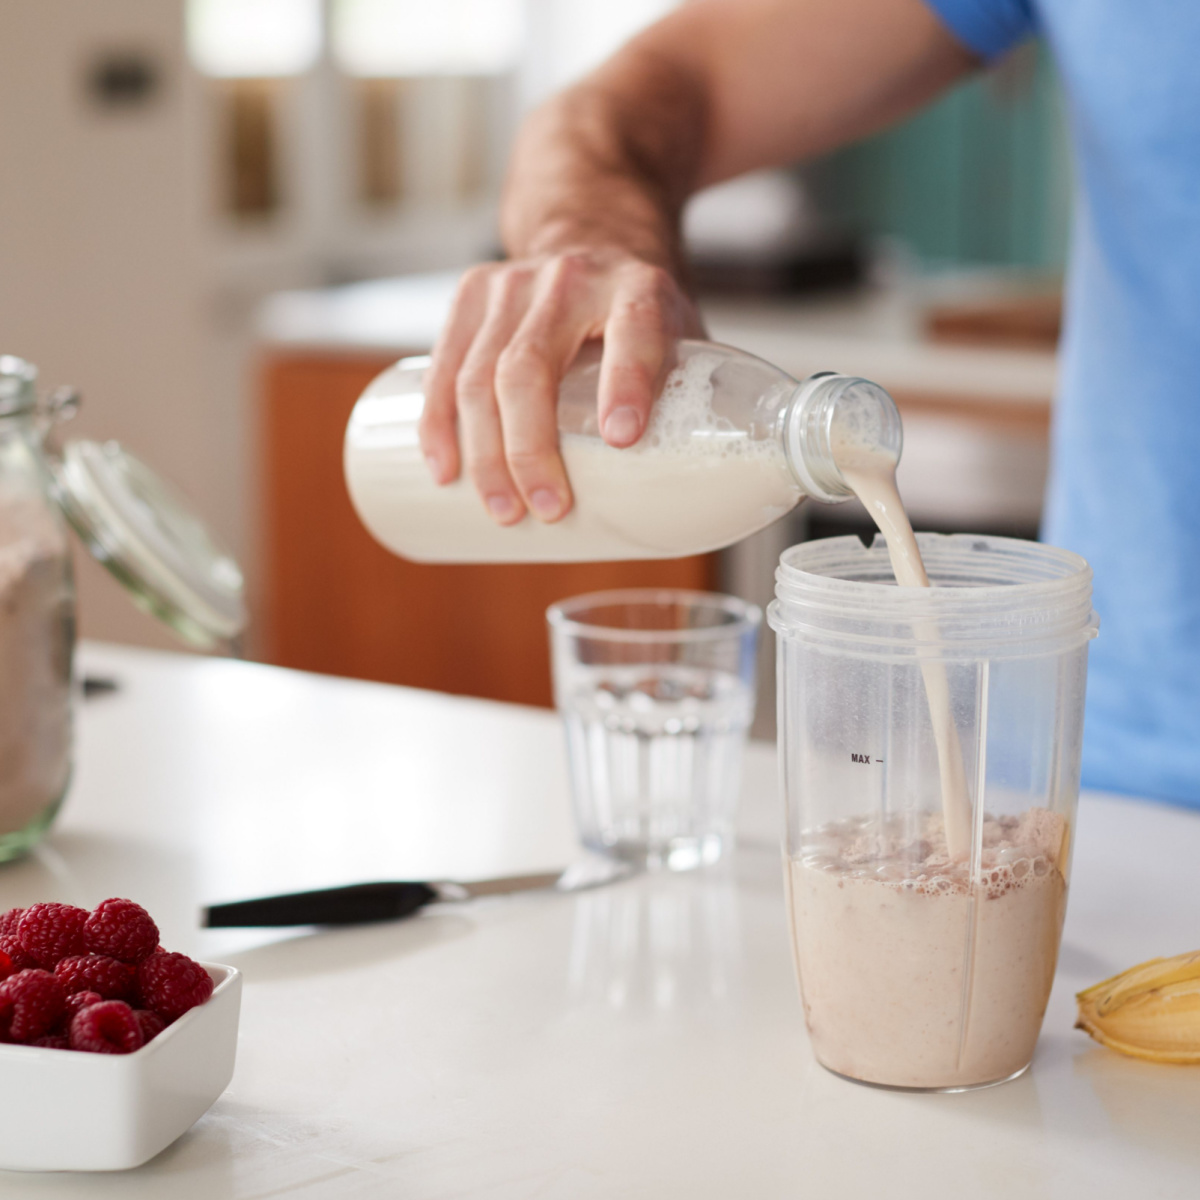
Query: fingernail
435,467
501,507
623,426
546,503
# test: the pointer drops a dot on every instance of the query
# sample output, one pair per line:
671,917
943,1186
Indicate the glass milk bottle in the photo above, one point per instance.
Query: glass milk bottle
732,444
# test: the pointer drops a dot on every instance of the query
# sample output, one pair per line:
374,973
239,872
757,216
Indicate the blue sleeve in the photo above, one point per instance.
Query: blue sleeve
989,27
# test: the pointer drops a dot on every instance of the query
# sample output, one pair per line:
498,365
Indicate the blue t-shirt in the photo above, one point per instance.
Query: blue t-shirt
1125,480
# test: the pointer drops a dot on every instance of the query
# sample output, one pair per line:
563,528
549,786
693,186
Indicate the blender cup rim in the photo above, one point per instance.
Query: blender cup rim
1061,569
1030,598
744,617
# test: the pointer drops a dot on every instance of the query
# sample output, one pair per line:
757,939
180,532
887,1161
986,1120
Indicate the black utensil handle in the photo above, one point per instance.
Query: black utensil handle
353,905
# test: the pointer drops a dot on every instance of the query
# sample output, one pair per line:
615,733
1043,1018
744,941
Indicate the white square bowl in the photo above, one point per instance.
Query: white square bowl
63,1110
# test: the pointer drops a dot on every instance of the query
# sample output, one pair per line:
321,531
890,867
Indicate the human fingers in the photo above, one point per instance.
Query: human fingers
566,308
438,427
479,420
647,313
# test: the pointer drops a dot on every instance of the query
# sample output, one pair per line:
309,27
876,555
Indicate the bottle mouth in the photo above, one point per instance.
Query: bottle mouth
828,412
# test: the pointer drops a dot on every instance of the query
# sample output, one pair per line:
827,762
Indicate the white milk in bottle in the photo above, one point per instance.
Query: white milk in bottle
732,444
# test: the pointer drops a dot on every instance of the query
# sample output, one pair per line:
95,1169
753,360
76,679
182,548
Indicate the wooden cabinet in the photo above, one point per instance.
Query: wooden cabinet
338,603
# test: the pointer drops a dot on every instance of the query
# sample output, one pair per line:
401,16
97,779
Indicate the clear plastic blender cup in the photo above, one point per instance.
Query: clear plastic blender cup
923,963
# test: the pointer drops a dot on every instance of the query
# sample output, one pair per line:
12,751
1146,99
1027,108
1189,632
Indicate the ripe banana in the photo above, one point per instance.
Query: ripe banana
1151,1011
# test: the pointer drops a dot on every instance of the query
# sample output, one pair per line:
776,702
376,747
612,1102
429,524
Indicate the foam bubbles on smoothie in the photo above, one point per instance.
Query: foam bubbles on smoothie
1016,852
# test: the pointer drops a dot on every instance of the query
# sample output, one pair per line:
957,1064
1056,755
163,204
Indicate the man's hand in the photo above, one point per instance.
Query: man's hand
515,327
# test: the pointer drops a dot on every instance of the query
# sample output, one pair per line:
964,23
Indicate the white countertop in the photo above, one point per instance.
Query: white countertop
641,1040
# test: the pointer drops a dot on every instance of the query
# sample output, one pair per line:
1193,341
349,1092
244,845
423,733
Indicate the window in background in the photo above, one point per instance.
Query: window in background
568,38
430,76
253,39
398,38
250,46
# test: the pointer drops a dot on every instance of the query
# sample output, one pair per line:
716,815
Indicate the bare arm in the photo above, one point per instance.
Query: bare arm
590,214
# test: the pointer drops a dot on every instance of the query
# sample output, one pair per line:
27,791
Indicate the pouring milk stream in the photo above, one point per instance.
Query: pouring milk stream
872,475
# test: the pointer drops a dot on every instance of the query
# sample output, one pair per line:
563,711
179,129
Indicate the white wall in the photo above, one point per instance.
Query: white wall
97,267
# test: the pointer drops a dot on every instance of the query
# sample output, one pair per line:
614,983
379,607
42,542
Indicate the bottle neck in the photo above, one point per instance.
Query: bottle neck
828,412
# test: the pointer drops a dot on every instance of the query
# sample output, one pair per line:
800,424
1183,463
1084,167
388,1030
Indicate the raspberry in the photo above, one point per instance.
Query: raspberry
49,932
121,929
31,1004
12,949
10,920
53,1041
78,1001
95,973
170,984
152,1024
6,966
106,1028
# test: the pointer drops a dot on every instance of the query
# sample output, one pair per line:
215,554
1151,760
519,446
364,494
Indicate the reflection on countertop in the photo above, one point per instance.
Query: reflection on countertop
672,942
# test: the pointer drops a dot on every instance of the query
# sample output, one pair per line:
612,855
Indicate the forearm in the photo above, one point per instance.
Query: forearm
717,88
609,163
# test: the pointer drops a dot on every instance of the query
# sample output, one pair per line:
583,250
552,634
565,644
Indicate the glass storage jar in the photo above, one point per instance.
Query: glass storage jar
37,627
132,523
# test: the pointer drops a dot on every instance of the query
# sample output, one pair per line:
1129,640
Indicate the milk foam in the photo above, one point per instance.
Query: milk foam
684,407
683,421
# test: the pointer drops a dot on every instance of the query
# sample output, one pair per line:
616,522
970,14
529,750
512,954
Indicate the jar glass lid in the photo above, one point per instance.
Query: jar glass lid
149,539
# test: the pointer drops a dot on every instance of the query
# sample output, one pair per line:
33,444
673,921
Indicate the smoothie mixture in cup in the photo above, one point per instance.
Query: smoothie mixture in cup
926,891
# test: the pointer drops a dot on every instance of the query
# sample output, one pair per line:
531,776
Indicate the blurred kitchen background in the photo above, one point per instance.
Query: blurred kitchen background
220,218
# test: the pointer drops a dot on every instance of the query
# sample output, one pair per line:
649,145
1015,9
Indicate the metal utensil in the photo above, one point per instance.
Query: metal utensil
388,901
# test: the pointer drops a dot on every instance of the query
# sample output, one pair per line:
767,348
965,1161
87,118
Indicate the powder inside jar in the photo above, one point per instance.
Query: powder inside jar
36,637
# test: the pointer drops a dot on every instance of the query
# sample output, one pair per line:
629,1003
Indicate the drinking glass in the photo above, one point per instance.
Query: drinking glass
656,691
